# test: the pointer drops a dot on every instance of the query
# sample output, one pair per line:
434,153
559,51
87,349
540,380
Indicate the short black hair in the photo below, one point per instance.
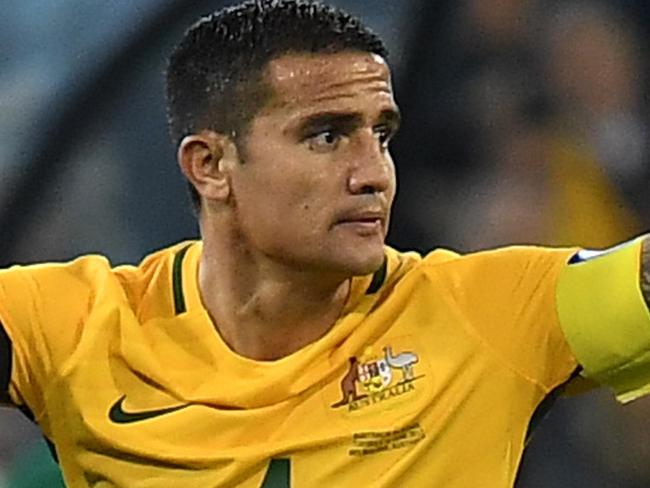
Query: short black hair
215,75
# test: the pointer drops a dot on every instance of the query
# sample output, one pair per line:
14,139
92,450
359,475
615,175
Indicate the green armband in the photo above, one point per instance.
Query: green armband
606,320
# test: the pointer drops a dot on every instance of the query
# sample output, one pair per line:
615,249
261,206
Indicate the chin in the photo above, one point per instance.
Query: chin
360,261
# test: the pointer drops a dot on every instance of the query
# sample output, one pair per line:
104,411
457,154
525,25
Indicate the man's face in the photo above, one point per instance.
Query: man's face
317,181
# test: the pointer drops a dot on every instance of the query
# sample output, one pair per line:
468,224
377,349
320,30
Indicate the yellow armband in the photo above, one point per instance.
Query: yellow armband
606,320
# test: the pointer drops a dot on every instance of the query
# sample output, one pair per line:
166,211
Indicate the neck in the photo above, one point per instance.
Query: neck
262,308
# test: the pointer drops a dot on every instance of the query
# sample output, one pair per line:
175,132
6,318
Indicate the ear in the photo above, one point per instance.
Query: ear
205,159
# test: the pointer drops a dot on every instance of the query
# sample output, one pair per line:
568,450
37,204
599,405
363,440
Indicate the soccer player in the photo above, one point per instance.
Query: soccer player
290,347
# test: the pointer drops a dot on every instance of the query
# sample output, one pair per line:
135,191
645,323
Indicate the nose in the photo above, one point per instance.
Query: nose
371,169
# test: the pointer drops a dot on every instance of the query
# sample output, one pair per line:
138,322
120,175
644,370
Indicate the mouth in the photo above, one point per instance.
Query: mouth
363,223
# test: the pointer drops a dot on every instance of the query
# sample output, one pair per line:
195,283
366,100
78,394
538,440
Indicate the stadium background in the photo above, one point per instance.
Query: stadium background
524,121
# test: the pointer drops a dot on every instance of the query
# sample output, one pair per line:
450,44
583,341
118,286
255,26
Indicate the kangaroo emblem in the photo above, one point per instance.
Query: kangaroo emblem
349,384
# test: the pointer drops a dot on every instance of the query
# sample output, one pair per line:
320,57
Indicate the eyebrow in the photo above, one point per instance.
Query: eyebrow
346,120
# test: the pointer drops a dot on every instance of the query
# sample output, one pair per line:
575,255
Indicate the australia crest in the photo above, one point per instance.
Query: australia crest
374,378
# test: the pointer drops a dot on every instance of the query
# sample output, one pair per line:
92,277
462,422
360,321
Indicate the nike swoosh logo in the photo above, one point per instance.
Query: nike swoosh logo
118,415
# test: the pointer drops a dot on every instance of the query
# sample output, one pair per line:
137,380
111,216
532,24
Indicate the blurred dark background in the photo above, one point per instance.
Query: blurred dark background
524,121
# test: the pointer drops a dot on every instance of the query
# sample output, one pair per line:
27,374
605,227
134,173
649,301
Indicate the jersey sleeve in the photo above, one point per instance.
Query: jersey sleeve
606,319
508,298
42,313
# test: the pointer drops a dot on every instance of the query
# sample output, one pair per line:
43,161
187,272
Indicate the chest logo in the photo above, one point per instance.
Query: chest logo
118,415
373,379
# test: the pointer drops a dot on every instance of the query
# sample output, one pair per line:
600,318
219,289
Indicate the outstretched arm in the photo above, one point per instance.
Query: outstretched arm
604,310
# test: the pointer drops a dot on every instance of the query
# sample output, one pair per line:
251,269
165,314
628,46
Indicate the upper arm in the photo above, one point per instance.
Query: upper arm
508,295
42,312
603,310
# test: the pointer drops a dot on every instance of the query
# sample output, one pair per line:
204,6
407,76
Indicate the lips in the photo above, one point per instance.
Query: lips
365,222
362,216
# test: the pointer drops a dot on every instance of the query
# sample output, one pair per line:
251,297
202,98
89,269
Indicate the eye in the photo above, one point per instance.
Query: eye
384,134
323,141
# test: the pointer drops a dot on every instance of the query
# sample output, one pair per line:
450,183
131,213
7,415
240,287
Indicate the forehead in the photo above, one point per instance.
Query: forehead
298,80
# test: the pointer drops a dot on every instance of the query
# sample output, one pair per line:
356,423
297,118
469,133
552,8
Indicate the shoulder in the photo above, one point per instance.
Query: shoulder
51,276
499,255
153,263
92,279
149,284
92,268
490,268
504,260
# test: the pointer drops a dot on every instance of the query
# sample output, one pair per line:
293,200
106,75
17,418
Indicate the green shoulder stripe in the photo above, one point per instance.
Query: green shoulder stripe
378,278
177,281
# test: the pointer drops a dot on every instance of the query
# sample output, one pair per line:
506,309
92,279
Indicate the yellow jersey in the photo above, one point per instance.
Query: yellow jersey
430,376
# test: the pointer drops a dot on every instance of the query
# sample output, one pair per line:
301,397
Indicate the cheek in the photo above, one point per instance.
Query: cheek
282,204
305,205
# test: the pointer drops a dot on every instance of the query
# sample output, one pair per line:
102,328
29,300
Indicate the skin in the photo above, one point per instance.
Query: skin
645,269
298,207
